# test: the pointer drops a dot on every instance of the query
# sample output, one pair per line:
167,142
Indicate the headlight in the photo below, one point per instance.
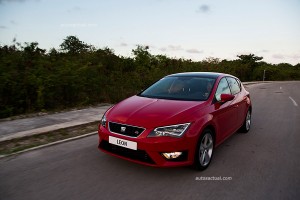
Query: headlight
103,121
173,131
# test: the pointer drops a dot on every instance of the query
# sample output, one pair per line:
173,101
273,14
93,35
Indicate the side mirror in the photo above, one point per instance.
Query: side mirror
226,97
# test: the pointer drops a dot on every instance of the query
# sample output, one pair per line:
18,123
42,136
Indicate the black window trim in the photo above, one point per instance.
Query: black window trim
239,84
214,99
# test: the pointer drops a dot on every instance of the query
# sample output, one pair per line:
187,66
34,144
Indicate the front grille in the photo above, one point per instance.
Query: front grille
138,155
131,131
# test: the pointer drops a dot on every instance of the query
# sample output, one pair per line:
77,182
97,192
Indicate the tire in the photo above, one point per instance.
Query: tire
247,123
204,150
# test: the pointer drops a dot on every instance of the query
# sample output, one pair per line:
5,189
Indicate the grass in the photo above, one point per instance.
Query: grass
20,144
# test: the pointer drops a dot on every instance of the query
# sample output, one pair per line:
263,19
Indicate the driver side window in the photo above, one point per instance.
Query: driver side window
223,88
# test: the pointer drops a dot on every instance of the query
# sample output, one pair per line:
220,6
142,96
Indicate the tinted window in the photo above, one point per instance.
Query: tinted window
234,85
223,88
181,88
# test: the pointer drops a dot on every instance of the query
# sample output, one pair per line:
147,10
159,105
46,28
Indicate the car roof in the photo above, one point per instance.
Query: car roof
199,74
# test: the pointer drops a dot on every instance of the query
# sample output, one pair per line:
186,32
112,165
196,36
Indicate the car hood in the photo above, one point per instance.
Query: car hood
150,113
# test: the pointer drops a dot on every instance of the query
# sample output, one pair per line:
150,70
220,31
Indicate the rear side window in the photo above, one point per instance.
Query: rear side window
234,85
223,88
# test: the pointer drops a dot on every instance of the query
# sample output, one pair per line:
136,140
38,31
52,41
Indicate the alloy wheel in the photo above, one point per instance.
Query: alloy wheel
206,149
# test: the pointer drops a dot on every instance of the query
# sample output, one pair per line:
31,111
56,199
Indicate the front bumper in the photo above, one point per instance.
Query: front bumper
149,149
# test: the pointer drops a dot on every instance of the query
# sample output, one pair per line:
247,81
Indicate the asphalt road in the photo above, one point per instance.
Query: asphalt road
263,164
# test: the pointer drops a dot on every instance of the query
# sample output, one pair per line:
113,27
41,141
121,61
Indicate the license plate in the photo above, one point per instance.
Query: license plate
122,143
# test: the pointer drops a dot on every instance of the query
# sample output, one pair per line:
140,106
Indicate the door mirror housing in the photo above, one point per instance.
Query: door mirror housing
226,97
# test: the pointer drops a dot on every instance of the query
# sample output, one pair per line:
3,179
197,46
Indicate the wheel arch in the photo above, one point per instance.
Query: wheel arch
213,130
250,108
210,127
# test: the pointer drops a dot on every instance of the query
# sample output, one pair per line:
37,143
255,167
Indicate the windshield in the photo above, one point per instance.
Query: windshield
180,88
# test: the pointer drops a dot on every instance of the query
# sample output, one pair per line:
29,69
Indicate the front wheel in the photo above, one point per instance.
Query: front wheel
247,123
204,151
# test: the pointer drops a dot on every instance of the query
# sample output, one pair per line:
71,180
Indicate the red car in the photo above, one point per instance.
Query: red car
177,121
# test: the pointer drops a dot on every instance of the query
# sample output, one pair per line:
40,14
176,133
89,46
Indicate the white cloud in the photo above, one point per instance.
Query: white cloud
123,44
193,51
175,48
74,9
163,49
204,8
278,56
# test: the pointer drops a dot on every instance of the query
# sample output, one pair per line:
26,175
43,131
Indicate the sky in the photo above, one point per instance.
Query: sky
189,29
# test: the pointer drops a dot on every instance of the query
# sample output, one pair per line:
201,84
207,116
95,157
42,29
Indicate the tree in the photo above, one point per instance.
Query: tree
142,55
212,61
73,45
246,66
251,58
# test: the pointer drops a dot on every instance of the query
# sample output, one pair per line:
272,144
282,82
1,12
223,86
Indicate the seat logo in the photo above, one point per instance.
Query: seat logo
123,129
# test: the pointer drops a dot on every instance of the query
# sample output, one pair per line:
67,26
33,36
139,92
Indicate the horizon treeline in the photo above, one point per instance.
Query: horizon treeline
78,74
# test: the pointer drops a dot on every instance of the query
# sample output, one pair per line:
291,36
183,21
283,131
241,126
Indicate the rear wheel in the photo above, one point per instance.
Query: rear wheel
247,123
204,151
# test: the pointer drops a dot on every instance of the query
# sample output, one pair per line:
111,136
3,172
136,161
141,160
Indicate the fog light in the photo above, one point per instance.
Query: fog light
172,155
